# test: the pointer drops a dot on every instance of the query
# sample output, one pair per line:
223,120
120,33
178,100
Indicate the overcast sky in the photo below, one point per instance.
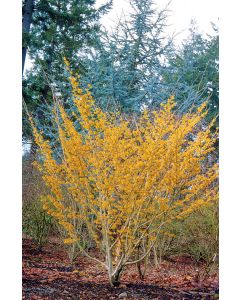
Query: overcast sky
182,11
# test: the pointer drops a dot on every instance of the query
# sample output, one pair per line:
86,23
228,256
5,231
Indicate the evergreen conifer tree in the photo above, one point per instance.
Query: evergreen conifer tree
60,28
193,71
125,67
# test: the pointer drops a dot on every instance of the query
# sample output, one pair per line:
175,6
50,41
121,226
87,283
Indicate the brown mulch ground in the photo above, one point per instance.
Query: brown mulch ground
47,274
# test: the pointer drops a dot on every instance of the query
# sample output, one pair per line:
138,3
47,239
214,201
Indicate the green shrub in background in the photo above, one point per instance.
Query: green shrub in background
197,237
36,223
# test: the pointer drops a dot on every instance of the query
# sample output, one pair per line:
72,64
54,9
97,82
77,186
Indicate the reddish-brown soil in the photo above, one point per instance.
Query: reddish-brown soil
48,274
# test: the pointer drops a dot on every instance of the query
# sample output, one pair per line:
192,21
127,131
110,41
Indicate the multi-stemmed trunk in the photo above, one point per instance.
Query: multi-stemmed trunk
114,278
114,272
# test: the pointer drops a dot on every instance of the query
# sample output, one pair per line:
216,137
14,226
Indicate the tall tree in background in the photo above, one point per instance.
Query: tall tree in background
59,28
26,23
138,65
193,72
126,66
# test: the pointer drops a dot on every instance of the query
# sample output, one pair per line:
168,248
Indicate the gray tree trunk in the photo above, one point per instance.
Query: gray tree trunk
26,23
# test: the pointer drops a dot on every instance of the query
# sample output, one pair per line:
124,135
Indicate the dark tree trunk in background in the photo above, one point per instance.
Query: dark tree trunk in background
26,23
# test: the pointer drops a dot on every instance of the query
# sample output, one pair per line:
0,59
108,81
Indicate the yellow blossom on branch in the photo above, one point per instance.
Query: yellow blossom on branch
125,179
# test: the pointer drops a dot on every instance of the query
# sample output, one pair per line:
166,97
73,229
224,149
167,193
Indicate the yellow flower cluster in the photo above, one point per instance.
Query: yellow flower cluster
125,179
